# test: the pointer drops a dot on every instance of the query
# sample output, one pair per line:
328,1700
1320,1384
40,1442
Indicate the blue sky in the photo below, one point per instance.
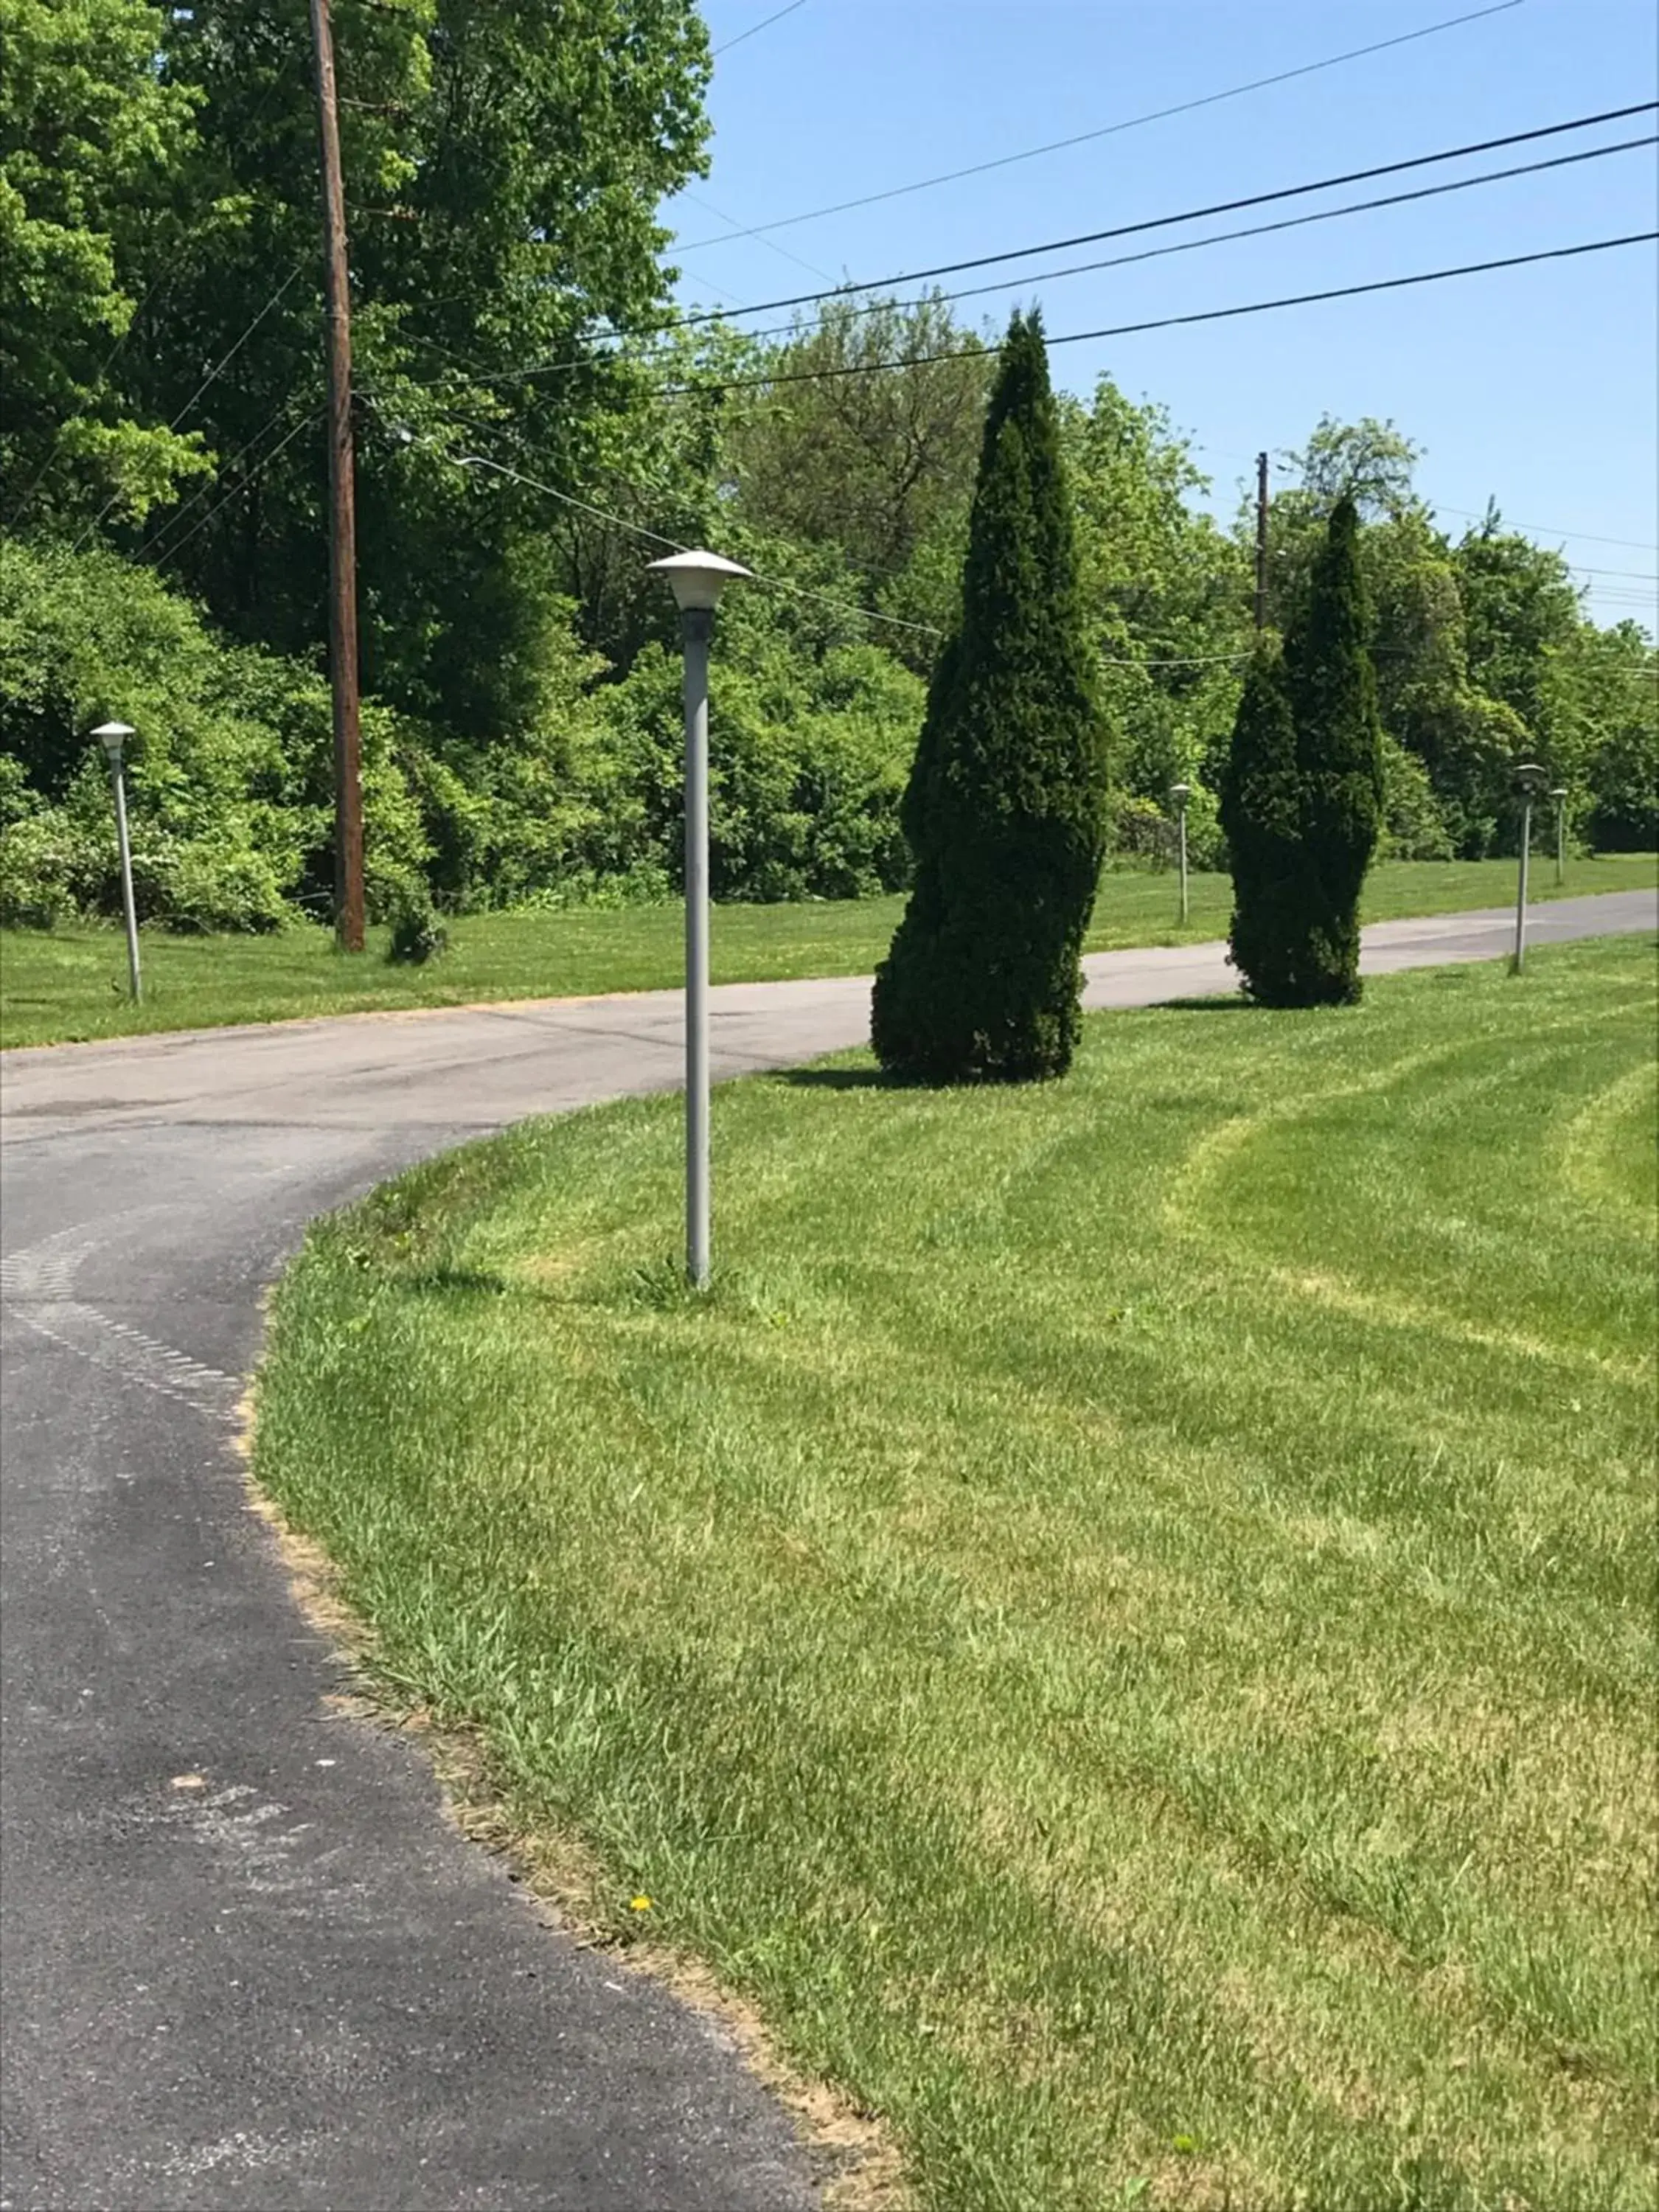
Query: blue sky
1538,386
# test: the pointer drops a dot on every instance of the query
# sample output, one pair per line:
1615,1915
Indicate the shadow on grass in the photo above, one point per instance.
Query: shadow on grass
879,1079
1220,1002
477,1282
848,1078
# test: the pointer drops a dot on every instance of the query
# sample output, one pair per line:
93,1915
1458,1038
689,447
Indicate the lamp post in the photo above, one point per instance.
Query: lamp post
1529,781
1560,795
697,580
1181,793
112,736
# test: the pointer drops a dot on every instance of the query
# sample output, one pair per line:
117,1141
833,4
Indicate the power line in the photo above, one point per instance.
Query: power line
1197,214
655,538
1542,530
1124,230
1175,322
231,351
1155,222
731,221
1112,130
802,591
841,606
160,286
212,378
570,499
1626,577
1220,237
1469,514
237,489
211,484
754,30
785,252
1184,661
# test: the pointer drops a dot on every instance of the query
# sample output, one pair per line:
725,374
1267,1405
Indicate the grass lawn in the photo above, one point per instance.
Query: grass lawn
1122,1626
71,983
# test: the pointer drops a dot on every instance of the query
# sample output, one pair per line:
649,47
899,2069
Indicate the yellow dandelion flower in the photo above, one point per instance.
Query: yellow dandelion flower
639,1905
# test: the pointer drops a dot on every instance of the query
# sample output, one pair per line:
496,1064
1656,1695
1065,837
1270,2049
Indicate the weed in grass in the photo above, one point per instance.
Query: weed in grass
662,1286
1122,1625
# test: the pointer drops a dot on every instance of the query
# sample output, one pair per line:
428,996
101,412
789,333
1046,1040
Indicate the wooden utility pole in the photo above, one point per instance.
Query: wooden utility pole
342,529
1262,541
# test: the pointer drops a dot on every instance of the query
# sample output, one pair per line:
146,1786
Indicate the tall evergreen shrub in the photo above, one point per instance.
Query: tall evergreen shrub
1006,808
1303,827
1339,750
1261,815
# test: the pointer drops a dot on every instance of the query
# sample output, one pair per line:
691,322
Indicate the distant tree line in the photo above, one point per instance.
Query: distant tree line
162,507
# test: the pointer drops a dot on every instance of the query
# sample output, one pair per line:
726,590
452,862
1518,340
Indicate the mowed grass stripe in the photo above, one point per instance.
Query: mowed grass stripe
1123,1626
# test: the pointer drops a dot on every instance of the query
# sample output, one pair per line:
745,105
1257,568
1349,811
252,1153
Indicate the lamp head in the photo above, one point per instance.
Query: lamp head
1181,793
112,736
697,579
1528,779
1558,792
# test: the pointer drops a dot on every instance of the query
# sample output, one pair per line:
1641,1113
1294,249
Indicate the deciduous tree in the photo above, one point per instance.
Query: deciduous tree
93,138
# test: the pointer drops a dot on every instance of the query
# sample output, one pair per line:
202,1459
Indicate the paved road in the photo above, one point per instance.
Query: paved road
295,1985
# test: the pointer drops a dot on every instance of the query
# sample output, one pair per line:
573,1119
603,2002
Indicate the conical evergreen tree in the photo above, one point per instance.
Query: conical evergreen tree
1261,816
1339,750
1301,798
1006,810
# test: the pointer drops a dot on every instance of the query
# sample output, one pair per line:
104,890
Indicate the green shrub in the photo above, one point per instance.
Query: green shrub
808,743
36,870
805,793
1303,806
1146,829
1006,810
17,800
1625,769
208,889
417,935
1261,815
1467,744
229,780
1141,831
62,860
1339,754
807,758
1413,826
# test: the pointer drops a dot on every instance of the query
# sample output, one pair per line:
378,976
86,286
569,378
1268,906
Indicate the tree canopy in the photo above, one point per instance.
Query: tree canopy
93,138
514,302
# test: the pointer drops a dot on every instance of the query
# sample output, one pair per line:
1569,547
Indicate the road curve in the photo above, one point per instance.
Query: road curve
246,1961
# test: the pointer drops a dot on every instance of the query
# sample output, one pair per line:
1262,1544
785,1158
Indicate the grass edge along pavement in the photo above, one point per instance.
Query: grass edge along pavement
1119,1629
69,986
858,2166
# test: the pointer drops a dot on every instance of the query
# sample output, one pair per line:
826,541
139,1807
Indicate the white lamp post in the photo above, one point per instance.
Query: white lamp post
1181,793
697,580
1529,779
112,736
1560,795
